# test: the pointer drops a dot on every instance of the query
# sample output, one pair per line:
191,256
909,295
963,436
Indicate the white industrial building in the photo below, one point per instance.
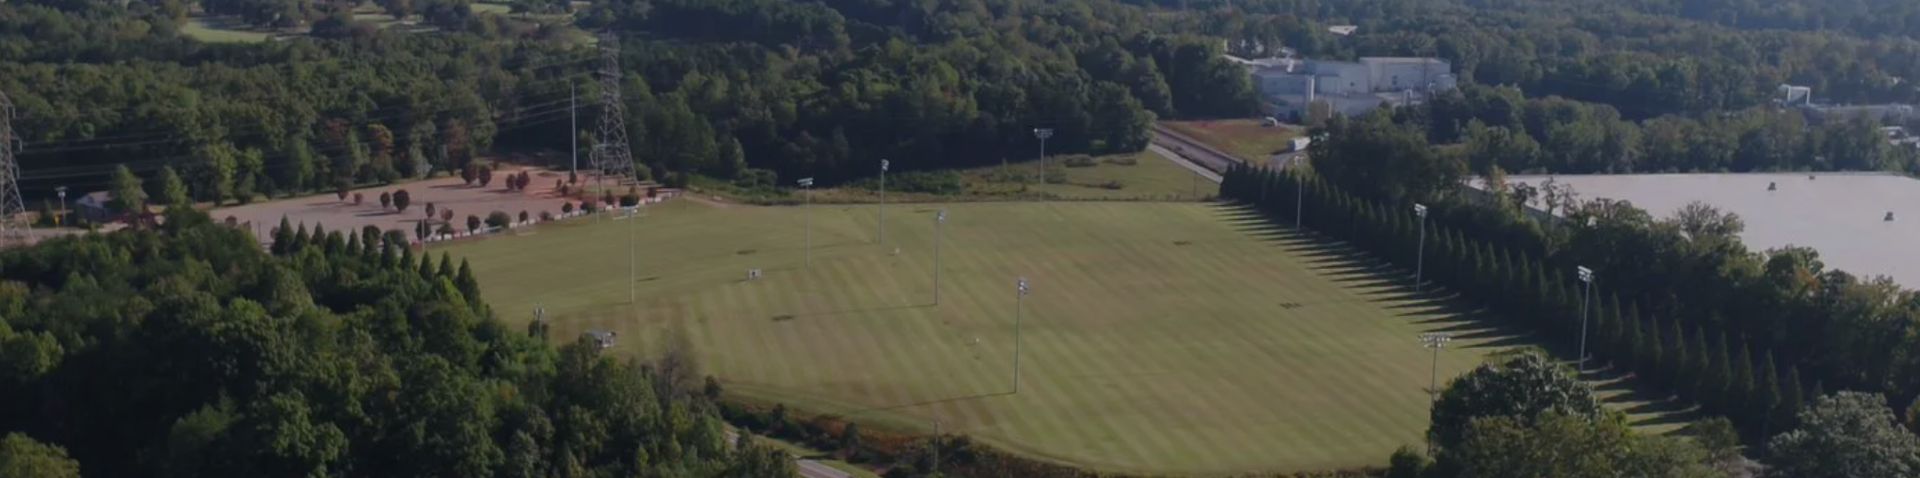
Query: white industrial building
1351,88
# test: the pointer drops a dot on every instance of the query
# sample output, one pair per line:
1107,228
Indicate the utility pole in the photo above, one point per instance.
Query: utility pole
1586,275
1420,263
1018,303
12,227
936,447
939,226
883,202
807,184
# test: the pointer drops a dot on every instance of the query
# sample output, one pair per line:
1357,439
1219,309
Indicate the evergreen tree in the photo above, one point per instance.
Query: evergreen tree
173,189
282,237
468,285
446,266
1612,330
426,266
1679,361
1710,369
353,245
1633,345
1769,399
1654,358
1719,377
1792,397
300,239
335,243
1741,387
406,258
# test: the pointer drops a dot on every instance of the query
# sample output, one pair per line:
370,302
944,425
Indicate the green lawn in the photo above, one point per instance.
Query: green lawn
1245,138
1178,338
1138,176
221,30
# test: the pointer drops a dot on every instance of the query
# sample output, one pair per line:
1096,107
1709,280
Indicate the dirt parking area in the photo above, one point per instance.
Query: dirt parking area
443,193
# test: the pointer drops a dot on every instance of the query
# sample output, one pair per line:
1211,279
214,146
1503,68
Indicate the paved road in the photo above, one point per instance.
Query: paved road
808,468
1184,162
1193,150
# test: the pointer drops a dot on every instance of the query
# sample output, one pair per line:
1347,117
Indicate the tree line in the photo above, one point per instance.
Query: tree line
189,351
1680,302
1521,415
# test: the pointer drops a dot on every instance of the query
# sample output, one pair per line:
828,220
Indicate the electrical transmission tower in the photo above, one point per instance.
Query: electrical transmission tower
13,228
610,148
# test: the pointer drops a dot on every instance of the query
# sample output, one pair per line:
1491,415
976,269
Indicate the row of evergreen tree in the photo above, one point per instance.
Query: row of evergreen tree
1720,374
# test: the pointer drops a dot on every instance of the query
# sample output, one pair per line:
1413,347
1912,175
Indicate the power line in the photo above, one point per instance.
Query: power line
11,207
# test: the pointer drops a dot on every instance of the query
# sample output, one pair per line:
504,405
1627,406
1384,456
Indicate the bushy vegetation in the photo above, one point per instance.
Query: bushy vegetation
187,351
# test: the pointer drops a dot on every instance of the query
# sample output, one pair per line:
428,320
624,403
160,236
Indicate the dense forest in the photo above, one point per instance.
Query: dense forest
189,351
822,89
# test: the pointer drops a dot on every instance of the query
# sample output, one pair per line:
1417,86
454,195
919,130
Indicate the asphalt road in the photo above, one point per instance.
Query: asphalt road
1192,150
808,468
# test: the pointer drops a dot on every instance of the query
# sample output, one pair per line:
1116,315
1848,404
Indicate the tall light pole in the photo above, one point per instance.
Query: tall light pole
1299,191
807,184
1434,342
573,132
61,218
633,294
1018,302
1420,261
883,201
1043,134
1586,275
939,226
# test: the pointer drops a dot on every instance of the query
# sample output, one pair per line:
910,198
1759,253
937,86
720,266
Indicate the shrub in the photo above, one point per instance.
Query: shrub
1056,176
386,200
560,185
467,175
1079,161
401,199
430,210
545,216
499,219
1127,160
486,176
446,215
566,207
445,229
606,197
339,190
357,197
523,216
1114,185
473,223
421,229
573,178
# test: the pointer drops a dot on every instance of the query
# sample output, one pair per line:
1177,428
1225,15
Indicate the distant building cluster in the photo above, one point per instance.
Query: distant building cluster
1291,87
1801,97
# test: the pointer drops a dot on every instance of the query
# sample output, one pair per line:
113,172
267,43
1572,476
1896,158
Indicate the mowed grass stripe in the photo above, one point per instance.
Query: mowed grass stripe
1141,355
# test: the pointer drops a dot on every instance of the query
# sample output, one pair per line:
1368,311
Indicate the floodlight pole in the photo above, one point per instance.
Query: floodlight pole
939,231
1018,303
61,218
633,294
1043,134
807,185
1299,191
573,133
883,202
1434,342
1586,275
1420,262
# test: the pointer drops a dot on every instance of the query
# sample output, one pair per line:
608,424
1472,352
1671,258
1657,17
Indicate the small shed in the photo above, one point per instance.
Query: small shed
605,338
95,206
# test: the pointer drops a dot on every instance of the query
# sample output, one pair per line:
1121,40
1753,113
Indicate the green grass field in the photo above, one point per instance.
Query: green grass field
1149,177
1160,337
1245,138
221,30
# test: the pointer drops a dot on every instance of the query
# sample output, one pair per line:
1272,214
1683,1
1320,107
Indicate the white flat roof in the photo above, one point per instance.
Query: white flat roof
1841,215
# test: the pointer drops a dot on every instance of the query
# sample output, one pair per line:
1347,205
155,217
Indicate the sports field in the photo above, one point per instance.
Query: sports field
1245,138
1175,338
